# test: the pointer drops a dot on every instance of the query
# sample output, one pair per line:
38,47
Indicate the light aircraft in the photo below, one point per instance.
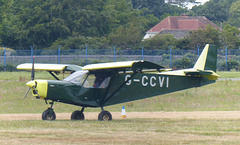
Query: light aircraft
104,84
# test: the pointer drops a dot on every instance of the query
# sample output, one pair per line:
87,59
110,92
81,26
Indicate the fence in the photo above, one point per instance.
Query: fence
171,58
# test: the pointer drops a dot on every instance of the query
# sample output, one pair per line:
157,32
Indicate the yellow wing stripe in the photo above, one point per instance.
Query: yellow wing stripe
42,67
110,65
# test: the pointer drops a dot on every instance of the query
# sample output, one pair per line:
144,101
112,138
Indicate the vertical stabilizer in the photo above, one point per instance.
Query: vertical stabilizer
208,59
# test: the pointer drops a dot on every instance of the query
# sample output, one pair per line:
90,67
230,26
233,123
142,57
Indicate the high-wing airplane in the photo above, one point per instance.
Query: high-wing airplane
104,84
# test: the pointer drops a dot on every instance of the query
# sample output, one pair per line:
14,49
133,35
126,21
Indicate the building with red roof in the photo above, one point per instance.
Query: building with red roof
179,26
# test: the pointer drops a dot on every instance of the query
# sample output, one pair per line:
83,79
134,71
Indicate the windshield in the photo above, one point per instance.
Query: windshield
77,77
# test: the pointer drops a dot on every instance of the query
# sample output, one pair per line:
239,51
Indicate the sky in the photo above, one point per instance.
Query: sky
190,5
202,1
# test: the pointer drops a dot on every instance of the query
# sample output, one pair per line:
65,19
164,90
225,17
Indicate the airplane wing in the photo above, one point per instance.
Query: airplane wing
123,66
49,67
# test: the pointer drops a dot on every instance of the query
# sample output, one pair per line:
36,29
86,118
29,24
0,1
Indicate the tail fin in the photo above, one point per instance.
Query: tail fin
208,59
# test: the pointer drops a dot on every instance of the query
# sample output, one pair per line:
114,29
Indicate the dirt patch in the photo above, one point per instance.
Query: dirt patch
132,115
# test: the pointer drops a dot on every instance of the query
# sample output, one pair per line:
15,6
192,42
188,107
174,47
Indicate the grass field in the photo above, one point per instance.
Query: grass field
130,131
221,96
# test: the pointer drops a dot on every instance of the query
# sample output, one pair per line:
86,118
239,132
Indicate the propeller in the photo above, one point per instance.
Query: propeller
30,84
33,72
26,93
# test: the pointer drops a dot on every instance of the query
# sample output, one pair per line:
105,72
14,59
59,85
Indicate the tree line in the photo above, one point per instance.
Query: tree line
101,24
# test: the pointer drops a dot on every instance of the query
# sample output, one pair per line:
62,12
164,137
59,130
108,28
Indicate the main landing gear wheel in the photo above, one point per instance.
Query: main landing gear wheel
105,116
77,115
49,114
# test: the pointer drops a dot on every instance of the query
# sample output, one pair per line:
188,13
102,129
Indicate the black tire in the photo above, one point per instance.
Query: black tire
49,114
77,115
105,116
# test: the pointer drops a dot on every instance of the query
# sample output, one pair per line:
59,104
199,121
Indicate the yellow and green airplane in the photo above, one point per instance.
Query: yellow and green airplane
104,84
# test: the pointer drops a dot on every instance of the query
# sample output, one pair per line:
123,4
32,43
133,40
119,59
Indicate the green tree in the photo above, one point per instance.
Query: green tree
7,23
157,7
127,35
230,36
44,22
160,42
235,14
80,42
41,22
208,35
130,24
214,10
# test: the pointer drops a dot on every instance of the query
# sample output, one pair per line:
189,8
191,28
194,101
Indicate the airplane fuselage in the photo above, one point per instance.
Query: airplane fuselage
122,88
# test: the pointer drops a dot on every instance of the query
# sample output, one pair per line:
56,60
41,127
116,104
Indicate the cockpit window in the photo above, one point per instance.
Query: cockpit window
83,78
77,77
89,83
102,80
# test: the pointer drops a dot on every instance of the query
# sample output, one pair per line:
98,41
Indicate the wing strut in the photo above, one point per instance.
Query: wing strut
54,75
119,88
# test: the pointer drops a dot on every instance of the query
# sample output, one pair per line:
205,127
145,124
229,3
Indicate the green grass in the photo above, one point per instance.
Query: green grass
224,74
222,96
130,131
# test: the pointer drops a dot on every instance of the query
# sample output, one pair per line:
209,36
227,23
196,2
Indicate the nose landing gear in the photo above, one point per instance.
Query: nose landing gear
49,114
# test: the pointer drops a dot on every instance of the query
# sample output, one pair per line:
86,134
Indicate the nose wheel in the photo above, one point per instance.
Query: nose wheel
49,114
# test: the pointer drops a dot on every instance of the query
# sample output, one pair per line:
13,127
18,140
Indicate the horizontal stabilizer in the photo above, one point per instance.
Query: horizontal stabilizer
198,72
211,75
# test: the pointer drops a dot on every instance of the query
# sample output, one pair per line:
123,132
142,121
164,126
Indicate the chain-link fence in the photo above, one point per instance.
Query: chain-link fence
228,59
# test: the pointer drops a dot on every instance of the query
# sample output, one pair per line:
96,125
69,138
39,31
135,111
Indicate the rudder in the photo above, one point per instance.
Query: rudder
208,59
